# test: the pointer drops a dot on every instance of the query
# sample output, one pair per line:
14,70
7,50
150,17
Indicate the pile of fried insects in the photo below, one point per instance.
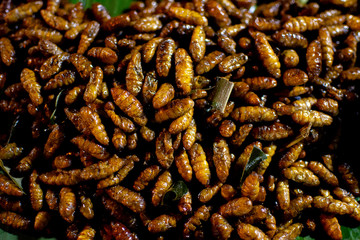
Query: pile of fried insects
203,119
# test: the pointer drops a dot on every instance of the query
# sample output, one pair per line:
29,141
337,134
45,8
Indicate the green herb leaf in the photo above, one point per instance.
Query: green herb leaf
256,157
175,192
52,117
114,7
6,171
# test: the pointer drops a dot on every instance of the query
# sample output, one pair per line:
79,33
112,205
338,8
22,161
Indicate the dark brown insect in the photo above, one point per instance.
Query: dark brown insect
164,53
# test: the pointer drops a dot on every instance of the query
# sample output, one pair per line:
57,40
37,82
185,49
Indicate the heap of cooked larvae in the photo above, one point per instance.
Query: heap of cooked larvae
203,119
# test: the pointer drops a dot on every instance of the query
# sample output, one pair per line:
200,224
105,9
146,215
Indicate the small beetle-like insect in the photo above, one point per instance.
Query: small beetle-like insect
100,13
93,122
87,233
36,193
176,108
290,58
331,226
303,23
187,16
295,77
290,232
7,51
184,72
320,170
251,186
120,231
132,200
74,32
54,21
67,204
349,177
185,203
265,24
86,207
148,24
283,194
14,220
183,165
200,164
215,10
297,205
208,193
63,78
105,55
253,114
220,227
129,104
209,62
222,159
332,206
162,185
290,39
30,84
23,11
123,123
301,175
248,231
236,207
90,147
41,221
134,74
272,132
146,176
164,53
162,223
102,169
327,46
267,55
53,65
201,214
93,87
163,96
233,62
291,155
314,59
88,36
164,149
197,45
317,119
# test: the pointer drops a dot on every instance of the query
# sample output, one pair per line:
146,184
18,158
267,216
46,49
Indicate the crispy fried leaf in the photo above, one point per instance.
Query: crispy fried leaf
257,156
6,171
176,191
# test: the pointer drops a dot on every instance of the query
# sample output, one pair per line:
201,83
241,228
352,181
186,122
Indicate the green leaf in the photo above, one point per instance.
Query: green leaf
52,117
114,7
257,156
175,192
6,171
